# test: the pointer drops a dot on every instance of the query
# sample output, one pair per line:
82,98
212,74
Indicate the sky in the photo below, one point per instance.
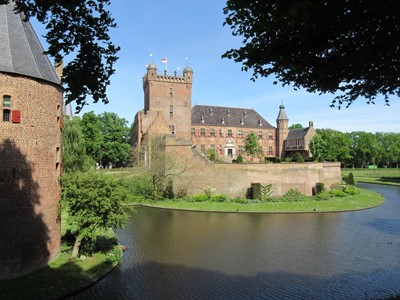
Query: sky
191,32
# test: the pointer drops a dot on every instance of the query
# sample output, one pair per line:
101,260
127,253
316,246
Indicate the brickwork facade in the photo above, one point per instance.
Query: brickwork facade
30,165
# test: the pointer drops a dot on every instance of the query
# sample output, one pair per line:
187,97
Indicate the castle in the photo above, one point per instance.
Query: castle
30,149
222,130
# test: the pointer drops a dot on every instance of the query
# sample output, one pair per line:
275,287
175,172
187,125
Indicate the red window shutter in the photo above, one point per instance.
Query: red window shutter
16,116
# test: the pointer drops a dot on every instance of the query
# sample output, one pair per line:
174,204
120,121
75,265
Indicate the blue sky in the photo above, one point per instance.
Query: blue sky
180,29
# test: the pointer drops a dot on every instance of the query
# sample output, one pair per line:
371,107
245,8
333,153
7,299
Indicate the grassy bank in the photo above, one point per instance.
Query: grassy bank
362,200
64,275
380,176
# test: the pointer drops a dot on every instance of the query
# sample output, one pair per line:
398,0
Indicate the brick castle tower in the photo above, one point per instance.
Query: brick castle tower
30,149
282,131
167,106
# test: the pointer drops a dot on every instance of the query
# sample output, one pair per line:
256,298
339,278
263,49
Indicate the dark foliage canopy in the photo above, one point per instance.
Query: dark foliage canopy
349,47
78,28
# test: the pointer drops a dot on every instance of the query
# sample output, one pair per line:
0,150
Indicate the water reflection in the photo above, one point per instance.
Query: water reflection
185,255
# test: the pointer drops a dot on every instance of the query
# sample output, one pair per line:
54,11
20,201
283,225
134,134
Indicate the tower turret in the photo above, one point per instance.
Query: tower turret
282,122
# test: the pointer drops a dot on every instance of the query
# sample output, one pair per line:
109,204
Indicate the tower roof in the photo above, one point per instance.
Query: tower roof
282,114
20,49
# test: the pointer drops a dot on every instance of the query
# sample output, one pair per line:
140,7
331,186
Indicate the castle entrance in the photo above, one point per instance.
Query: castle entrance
229,148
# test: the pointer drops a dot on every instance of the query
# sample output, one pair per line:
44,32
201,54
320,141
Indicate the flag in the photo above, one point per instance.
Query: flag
164,60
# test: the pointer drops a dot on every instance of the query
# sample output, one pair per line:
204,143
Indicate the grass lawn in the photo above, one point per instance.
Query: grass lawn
388,176
61,277
362,200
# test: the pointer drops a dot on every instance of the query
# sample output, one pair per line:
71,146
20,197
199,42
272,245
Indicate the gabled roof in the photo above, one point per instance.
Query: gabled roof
297,133
228,117
20,49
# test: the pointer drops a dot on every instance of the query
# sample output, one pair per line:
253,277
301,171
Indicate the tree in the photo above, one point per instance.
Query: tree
92,131
329,46
295,126
252,145
74,151
115,147
78,29
93,202
330,145
107,138
163,165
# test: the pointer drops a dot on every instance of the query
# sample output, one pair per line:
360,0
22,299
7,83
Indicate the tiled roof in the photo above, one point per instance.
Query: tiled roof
20,49
297,133
228,117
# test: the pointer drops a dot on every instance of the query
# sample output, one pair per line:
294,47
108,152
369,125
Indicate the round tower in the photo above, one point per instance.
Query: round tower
282,122
30,149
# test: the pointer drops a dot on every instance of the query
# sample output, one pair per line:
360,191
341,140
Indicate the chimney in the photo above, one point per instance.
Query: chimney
311,124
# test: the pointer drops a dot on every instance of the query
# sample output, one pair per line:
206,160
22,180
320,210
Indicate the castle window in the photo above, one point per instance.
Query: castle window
6,108
6,101
203,131
193,131
260,135
270,136
220,133
240,133
171,111
240,150
212,147
6,115
229,132
270,151
212,132
172,129
171,93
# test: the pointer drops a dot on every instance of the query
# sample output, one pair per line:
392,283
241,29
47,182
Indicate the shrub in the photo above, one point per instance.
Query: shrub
266,191
114,256
351,180
200,198
240,200
337,193
293,195
298,157
239,159
288,159
256,191
208,190
181,193
169,190
319,188
350,189
219,198
323,195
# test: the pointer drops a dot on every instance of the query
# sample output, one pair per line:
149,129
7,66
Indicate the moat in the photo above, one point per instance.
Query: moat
188,255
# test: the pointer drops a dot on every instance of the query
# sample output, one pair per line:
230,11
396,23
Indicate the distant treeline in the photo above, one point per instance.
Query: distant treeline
357,149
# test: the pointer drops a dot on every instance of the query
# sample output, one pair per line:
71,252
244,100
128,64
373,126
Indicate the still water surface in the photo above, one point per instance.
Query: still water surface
188,255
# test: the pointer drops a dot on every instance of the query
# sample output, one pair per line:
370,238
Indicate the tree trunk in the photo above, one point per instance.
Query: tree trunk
75,250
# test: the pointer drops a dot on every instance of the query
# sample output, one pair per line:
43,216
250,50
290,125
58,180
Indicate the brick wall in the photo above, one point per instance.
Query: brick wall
30,164
235,179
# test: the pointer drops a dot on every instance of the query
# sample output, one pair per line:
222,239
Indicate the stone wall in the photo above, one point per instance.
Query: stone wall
235,179
30,165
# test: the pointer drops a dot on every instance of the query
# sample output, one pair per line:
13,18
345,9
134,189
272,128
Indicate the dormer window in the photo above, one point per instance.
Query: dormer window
241,121
211,111
202,119
260,123
245,113
228,112
222,120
